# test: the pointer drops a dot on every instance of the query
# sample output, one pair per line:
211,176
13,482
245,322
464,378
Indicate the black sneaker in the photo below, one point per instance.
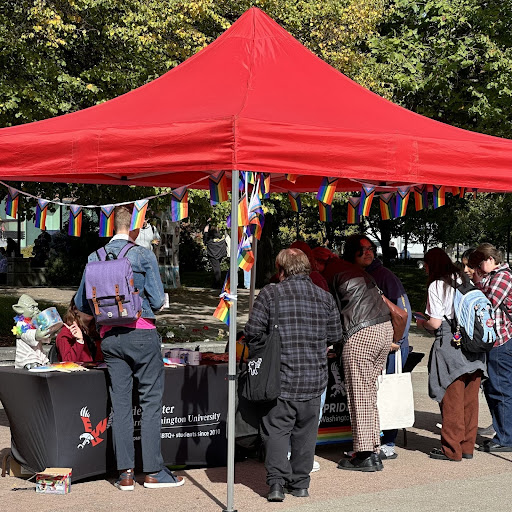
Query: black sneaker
359,463
276,493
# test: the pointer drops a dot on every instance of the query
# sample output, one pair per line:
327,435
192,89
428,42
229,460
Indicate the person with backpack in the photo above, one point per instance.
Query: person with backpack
121,286
454,373
493,276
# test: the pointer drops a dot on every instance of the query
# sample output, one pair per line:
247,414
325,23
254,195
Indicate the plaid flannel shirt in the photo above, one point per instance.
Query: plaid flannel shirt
308,323
497,286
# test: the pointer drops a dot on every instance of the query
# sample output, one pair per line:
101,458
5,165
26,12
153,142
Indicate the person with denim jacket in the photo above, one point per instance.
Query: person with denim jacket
132,352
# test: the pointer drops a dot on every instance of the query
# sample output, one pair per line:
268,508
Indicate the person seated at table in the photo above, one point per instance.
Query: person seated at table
78,341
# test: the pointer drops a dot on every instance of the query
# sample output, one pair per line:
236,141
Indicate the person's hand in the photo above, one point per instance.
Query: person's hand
76,332
42,334
394,347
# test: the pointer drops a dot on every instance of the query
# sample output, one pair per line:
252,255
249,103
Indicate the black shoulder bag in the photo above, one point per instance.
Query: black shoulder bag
260,381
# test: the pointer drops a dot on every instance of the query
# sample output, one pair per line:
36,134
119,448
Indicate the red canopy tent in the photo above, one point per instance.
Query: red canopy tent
253,100
256,100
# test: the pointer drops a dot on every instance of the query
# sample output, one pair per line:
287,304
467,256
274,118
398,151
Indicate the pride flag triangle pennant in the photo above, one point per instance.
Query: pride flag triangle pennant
218,188
326,190
179,204
41,211
367,193
139,213
420,197
11,202
438,193
75,220
295,202
353,216
401,201
386,205
325,211
106,221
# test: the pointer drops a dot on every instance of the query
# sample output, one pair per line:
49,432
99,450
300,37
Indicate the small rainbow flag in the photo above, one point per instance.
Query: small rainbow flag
139,213
326,190
106,221
218,188
353,210
41,210
420,197
11,202
227,284
292,177
386,205
250,177
401,201
367,193
243,212
325,211
179,204
256,227
222,311
264,186
255,206
245,255
295,202
75,220
438,195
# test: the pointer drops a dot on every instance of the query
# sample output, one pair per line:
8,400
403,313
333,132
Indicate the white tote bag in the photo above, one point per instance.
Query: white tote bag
395,400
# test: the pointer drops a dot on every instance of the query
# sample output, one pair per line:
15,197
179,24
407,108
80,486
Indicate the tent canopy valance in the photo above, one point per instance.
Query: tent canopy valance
253,100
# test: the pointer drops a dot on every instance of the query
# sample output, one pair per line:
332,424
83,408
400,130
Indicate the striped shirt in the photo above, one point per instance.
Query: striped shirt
497,286
308,323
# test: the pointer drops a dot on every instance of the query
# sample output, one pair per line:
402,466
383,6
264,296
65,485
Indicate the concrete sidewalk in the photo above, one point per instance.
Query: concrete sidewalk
412,482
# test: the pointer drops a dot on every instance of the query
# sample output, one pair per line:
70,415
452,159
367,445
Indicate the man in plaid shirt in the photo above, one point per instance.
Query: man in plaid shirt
308,323
494,278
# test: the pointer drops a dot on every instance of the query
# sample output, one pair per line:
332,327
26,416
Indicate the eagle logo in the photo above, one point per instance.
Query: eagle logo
339,386
91,436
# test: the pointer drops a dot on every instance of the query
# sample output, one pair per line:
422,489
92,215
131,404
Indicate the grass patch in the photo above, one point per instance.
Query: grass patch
415,284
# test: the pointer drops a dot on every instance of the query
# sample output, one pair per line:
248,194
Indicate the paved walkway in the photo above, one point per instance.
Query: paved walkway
412,482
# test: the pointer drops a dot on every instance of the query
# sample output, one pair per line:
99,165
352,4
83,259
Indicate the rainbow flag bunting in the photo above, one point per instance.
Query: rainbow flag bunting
179,204
218,188
367,193
11,202
106,221
386,205
438,195
326,190
75,220
222,311
325,211
294,198
292,177
41,210
353,210
264,191
401,201
462,192
420,197
139,213
243,212
245,255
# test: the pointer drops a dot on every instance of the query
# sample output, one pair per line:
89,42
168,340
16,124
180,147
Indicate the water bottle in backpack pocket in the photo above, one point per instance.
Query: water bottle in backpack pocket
110,289
474,324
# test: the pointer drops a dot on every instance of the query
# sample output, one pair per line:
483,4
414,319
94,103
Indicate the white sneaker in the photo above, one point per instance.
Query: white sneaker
316,466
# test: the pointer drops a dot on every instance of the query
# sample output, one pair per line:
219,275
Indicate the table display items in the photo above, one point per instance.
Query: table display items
29,336
54,481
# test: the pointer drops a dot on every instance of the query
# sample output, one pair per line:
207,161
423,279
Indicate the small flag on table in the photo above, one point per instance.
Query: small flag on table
401,201
367,193
106,221
386,205
243,212
139,213
75,220
41,210
353,210
325,211
292,177
11,202
326,190
295,203
179,204
245,255
438,192
218,188
420,197
222,311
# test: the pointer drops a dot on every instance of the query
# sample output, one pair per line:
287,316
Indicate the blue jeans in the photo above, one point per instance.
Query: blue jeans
389,436
498,392
135,355
247,279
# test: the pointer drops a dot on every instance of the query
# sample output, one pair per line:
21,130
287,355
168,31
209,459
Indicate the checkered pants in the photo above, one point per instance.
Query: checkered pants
364,356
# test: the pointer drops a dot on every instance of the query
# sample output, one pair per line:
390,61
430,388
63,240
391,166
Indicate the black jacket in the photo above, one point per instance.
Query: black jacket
359,301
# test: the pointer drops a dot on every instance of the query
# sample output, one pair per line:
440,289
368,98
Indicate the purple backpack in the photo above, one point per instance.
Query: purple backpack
110,289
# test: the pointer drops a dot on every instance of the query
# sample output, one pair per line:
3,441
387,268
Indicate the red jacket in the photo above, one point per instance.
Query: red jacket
70,350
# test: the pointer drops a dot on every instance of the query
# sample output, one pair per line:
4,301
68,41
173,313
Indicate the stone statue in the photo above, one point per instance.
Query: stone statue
29,338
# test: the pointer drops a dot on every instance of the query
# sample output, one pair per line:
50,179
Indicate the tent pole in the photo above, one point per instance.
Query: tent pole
233,276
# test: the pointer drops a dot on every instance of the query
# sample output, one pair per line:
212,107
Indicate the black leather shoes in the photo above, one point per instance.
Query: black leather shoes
298,493
438,454
491,446
276,493
359,463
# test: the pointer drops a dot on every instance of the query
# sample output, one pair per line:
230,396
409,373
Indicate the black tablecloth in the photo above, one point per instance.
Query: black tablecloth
62,419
